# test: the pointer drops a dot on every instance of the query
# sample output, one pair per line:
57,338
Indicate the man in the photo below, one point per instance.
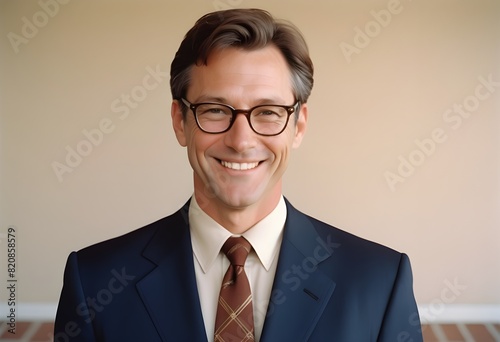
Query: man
240,83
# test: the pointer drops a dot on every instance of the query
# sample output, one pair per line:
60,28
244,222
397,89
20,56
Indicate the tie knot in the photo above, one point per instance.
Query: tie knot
236,250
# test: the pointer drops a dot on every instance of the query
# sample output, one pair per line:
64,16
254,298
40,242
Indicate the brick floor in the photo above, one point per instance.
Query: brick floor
44,333
452,332
27,332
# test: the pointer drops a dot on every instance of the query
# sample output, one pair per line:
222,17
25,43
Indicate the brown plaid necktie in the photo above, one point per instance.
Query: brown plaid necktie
234,321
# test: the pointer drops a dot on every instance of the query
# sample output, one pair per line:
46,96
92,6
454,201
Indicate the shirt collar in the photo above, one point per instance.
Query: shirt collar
207,236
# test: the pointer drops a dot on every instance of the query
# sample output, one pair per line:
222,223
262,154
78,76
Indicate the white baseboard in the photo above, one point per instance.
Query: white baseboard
458,313
31,311
429,313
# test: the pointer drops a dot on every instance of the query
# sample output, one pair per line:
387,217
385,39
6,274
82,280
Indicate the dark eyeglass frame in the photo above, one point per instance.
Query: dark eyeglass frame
289,109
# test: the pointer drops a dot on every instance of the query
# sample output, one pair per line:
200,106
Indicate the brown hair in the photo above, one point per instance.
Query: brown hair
248,29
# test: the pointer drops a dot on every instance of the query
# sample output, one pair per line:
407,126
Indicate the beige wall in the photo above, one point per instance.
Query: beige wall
367,110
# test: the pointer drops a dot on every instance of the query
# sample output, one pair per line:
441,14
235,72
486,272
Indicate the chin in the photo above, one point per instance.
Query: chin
246,198
238,202
242,198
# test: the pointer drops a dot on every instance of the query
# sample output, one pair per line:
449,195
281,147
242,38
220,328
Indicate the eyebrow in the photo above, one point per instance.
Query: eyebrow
222,100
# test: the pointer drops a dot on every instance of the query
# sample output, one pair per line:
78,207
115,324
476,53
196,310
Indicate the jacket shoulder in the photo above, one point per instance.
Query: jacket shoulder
351,240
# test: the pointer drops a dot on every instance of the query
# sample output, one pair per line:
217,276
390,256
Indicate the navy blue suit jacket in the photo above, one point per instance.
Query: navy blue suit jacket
329,286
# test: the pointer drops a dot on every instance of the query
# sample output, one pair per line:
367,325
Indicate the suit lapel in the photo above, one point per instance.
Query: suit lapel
300,290
169,292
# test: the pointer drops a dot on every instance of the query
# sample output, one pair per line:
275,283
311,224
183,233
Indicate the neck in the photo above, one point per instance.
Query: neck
237,220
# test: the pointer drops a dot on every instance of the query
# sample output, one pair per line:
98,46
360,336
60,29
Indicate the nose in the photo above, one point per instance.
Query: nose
240,137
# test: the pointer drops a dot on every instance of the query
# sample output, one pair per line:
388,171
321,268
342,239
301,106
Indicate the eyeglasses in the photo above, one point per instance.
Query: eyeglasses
267,120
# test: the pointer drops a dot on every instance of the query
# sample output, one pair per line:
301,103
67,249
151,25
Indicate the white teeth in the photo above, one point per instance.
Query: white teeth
239,166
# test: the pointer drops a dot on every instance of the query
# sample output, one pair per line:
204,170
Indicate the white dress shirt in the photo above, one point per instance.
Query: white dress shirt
210,263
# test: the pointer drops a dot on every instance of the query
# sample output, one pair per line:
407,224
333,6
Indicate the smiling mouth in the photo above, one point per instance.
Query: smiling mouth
239,166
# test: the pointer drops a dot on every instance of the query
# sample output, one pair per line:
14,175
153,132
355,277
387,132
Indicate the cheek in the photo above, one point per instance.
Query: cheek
192,134
281,146
198,143
289,137
192,140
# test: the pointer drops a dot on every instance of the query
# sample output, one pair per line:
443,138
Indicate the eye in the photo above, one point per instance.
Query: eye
269,112
213,110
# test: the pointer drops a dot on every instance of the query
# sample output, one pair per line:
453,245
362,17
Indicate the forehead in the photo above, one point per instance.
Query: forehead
237,74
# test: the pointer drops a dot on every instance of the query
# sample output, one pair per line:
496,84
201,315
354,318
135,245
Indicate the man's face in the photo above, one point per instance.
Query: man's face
239,168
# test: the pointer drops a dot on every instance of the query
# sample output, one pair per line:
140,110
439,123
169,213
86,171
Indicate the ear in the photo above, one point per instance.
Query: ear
300,126
178,123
